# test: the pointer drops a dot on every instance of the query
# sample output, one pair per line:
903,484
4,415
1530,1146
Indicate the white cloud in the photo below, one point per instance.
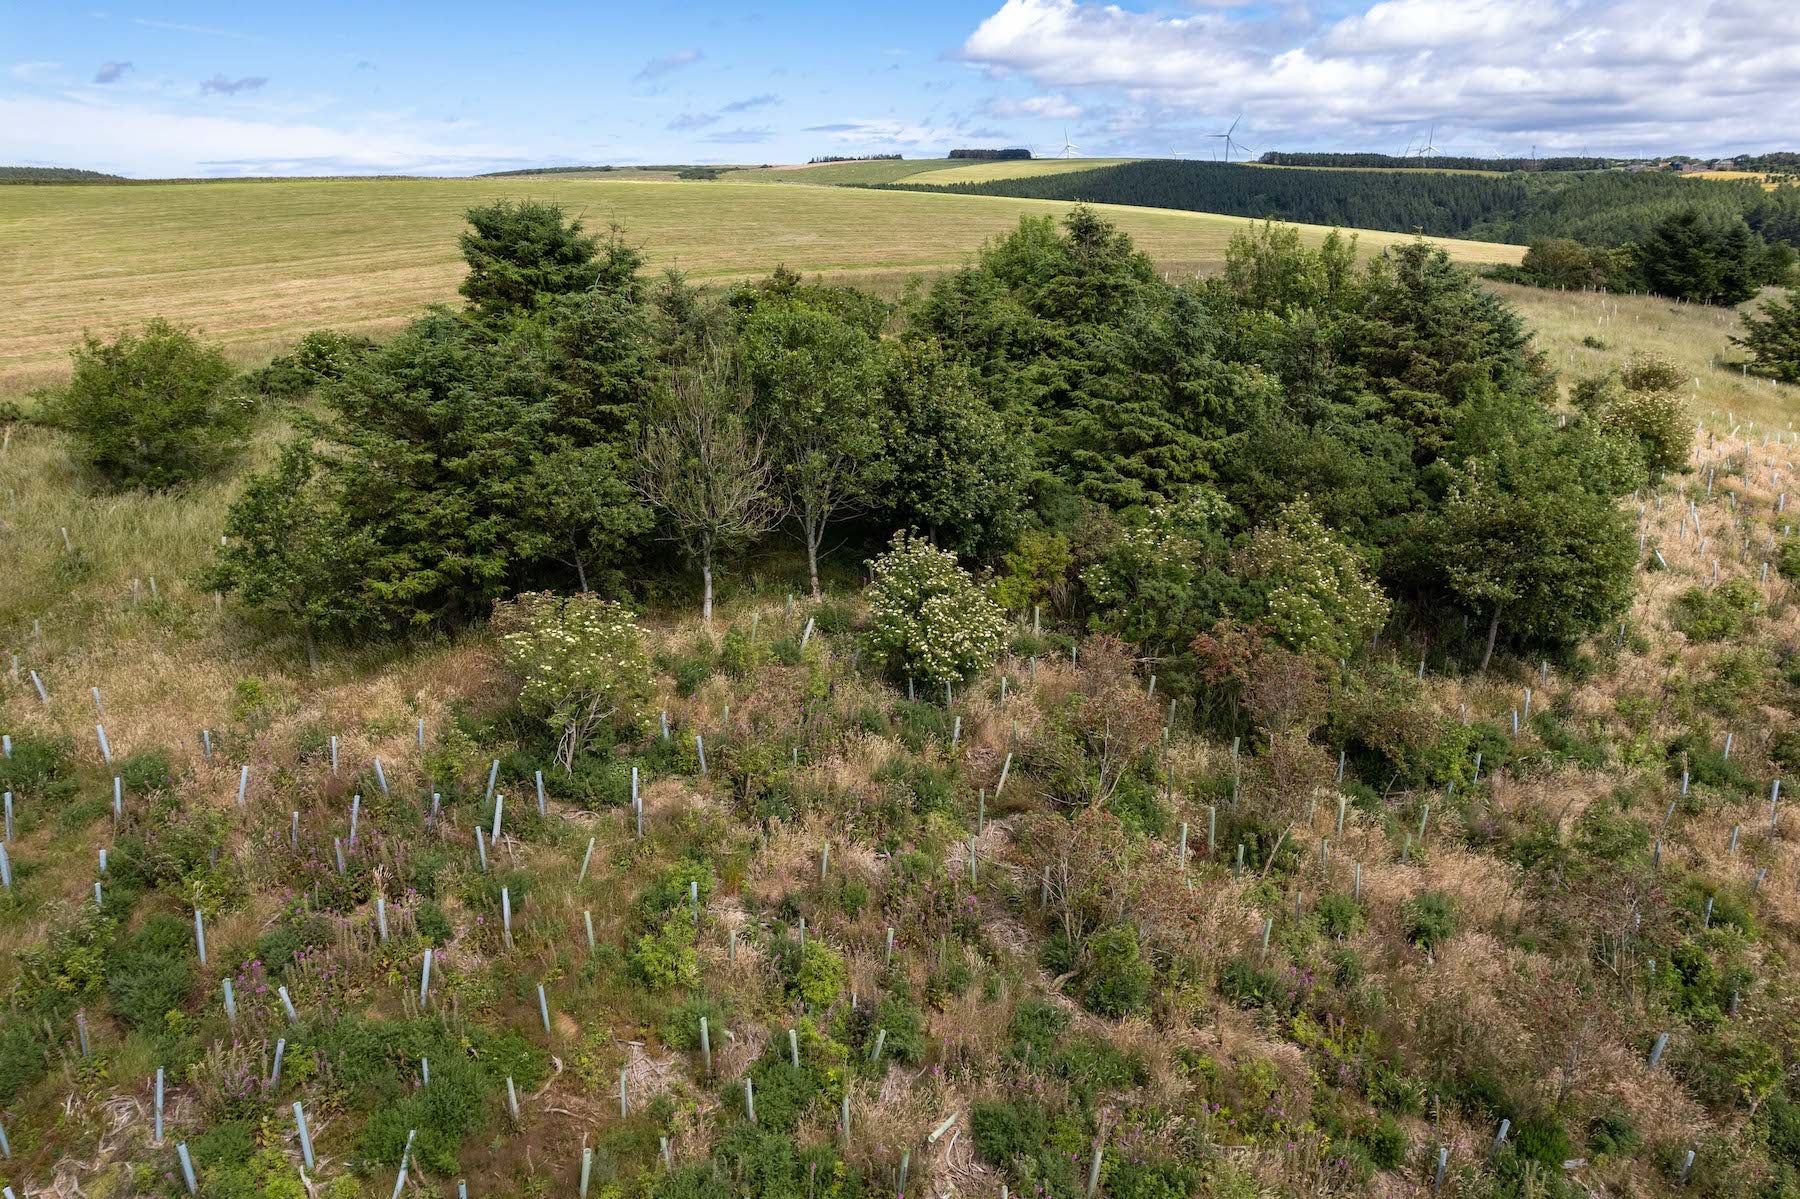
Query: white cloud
669,62
139,141
1052,106
32,70
1617,75
885,132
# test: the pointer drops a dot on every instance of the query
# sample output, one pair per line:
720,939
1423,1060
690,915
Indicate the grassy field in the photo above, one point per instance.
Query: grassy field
880,170
255,265
986,172
1584,333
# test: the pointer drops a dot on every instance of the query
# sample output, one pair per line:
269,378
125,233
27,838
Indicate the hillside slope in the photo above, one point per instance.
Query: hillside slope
257,264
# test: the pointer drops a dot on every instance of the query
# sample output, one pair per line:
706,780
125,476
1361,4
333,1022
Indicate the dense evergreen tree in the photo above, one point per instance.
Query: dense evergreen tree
520,252
1691,258
1772,335
960,473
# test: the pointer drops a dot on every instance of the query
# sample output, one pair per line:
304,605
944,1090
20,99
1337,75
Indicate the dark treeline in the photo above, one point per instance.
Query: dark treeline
1432,203
55,175
1435,162
995,155
1295,450
1776,160
1609,208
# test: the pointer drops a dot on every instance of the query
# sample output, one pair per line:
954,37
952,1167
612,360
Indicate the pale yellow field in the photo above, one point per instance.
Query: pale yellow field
255,265
1768,183
987,172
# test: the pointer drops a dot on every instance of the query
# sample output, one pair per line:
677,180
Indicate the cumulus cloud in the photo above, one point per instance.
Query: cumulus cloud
111,72
658,67
1620,76
219,85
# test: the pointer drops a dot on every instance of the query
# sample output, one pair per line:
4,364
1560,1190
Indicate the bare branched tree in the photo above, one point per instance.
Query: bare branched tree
704,465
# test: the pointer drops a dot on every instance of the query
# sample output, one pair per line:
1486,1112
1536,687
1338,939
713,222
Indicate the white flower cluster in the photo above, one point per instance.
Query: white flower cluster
928,619
578,656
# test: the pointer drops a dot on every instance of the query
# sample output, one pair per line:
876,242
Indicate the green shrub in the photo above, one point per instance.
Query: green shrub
666,956
1543,1139
582,662
690,671
739,656
432,924
1034,571
1036,1027
1093,1066
681,1030
40,767
151,973
1115,979
1003,1131
1715,613
144,772
906,1041
1612,1133
927,619
24,1057
1339,915
151,409
1429,919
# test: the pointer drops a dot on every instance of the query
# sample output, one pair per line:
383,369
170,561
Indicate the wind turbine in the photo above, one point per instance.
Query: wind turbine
1228,141
1068,147
1428,149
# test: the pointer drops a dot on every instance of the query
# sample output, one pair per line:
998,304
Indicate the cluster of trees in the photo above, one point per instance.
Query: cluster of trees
1703,240
1434,162
1007,155
856,158
55,175
1304,447
1685,256
1775,160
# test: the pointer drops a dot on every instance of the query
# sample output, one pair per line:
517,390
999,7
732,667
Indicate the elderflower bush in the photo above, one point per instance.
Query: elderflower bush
1318,597
928,619
582,662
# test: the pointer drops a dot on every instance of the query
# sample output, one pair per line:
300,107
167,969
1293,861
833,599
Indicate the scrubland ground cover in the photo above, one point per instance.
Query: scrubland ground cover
1165,852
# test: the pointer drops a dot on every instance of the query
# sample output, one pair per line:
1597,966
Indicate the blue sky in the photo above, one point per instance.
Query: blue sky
451,87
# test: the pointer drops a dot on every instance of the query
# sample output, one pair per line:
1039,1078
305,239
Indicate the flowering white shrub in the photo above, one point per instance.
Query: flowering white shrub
928,619
1318,594
582,662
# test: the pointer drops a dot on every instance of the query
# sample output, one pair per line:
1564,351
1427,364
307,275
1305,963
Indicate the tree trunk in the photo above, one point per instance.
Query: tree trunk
706,589
312,648
1493,633
813,537
580,569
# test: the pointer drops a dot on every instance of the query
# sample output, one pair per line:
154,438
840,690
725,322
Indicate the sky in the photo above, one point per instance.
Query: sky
328,87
